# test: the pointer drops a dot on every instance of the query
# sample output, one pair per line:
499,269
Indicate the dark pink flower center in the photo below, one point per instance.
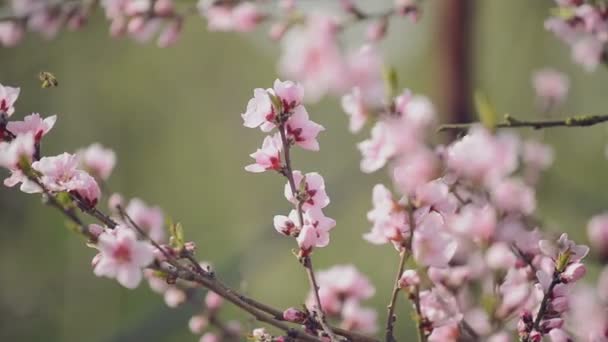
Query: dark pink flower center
122,253
3,105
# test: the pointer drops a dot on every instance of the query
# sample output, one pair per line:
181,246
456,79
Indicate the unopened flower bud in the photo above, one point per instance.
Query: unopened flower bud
213,301
197,324
294,315
409,278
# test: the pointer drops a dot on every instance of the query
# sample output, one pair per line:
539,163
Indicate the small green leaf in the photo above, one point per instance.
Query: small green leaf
562,12
485,111
276,102
391,81
177,235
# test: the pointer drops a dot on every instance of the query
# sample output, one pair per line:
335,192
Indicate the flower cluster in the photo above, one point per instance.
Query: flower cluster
281,108
581,24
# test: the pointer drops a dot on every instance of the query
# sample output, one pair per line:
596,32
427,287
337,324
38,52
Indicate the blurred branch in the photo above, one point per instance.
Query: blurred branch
511,122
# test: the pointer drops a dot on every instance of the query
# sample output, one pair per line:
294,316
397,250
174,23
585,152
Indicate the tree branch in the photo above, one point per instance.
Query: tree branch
511,122
390,320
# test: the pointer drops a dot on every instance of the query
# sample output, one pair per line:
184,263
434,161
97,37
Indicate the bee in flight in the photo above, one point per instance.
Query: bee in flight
48,80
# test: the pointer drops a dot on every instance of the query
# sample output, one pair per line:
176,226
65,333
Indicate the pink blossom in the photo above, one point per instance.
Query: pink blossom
170,34
123,256
341,283
20,148
558,335
197,324
483,157
431,244
474,222
436,196
269,156
150,219
303,131
513,195
260,111
285,225
311,56
445,333
290,94
209,337
415,170
294,315
409,278
313,190
98,160
439,307
551,86
11,33
8,96
563,246
355,107
315,229
213,301
174,297
246,17
356,318
243,17
377,150
597,232
537,155
59,173
574,272
86,189
500,256
376,31
417,111
588,53
32,124
390,220
364,72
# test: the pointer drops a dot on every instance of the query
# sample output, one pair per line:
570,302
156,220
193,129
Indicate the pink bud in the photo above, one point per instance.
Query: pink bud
96,229
560,304
116,200
170,34
174,297
294,315
136,24
213,301
210,337
409,278
574,272
197,324
535,336
553,323
163,7
377,30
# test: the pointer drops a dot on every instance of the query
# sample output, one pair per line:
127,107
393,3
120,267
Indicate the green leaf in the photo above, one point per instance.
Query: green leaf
485,111
276,102
391,81
177,235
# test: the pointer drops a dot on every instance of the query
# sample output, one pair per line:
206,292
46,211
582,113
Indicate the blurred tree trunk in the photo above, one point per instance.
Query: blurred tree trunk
456,22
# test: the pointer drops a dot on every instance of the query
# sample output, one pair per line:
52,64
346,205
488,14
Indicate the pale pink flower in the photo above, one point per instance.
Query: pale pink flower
431,244
513,195
435,196
170,34
440,307
269,156
150,219
474,222
174,297
315,229
364,72
537,155
123,256
559,335
311,56
164,7
445,333
551,86
409,278
20,148
415,170
483,157
377,150
197,324
574,272
86,189
246,16
356,108
356,318
313,187
376,31
390,221
588,53
210,337
32,124
341,283
219,18
290,94
260,111
500,256
417,111
294,315
303,131
597,232
564,245
213,301
11,33
8,96
98,160
285,225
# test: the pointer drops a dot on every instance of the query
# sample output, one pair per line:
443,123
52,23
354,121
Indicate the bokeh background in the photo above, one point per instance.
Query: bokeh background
172,115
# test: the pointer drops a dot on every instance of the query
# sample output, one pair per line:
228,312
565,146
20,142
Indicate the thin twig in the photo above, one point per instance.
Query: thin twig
511,122
390,320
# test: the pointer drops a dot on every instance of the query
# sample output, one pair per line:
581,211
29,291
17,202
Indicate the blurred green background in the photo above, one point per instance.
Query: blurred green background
172,115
